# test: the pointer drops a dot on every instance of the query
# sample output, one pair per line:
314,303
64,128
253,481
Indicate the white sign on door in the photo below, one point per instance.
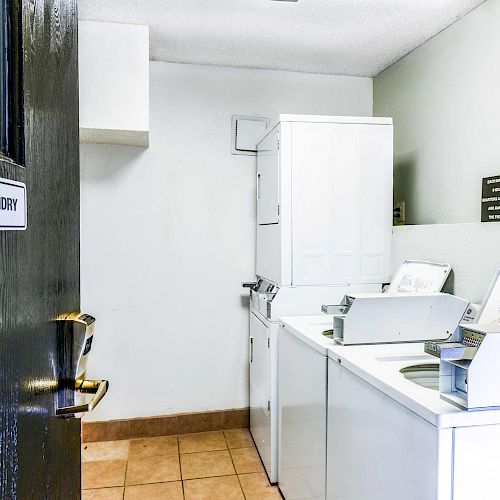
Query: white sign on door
13,206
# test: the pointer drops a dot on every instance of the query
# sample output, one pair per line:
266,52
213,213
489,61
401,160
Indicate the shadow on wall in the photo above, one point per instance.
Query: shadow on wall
103,161
449,286
405,189
245,301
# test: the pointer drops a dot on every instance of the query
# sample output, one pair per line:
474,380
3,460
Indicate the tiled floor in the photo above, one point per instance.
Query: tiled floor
218,465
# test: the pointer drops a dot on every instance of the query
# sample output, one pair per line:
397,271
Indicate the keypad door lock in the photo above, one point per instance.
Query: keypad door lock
75,334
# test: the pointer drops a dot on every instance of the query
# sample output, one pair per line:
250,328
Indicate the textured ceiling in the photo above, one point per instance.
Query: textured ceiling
343,37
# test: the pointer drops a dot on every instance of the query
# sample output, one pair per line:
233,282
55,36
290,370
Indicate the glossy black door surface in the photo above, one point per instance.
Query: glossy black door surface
39,267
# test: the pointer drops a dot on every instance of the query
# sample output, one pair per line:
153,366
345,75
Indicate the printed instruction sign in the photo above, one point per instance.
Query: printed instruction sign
490,201
13,205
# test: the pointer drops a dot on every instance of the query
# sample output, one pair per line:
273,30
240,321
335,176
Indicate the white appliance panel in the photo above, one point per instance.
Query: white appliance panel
302,419
375,204
490,311
476,462
401,317
288,301
260,388
269,254
323,184
331,182
373,444
268,179
341,203
419,276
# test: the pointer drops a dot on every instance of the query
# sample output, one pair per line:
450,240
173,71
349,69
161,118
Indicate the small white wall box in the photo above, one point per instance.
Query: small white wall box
114,83
246,132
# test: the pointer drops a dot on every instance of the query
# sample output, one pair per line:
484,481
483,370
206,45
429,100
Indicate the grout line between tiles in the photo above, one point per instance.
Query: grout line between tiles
125,478
182,486
234,466
180,463
147,484
205,477
225,439
205,451
180,466
241,486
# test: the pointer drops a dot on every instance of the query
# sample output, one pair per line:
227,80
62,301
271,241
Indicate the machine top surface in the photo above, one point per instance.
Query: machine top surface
490,307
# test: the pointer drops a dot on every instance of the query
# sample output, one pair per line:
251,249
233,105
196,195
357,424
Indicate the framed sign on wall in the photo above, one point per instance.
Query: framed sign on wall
490,199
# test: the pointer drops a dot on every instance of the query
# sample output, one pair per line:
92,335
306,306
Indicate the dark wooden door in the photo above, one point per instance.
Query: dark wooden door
39,267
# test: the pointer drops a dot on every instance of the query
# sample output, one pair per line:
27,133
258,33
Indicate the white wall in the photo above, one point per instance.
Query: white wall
445,101
471,249
168,236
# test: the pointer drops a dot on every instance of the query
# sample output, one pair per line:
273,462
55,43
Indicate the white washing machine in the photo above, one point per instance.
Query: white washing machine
268,303
303,388
391,438
303,377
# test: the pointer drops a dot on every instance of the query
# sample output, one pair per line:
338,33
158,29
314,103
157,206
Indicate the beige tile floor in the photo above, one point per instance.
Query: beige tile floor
206,465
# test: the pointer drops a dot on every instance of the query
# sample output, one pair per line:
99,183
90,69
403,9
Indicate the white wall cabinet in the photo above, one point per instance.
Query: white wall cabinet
324,201
114,83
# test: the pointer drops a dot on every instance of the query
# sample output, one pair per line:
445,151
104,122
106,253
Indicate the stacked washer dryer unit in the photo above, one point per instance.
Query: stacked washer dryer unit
324,226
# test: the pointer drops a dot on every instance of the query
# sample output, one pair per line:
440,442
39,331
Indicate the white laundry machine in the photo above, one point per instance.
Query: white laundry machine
268,303
304,372
303,376
392,437
324,229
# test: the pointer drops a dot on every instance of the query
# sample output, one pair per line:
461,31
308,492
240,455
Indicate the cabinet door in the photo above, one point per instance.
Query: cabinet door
260,388
268,176
342,203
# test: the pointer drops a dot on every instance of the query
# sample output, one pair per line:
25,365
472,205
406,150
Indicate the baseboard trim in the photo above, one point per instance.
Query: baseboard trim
183,423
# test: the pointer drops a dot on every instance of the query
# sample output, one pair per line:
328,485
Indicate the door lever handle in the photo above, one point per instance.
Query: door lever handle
97,387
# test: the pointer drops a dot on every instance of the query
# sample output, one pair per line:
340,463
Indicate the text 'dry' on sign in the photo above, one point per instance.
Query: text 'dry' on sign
13,206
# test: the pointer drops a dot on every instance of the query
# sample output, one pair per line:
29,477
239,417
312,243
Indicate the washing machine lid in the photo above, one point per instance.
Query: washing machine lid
419,276
490,307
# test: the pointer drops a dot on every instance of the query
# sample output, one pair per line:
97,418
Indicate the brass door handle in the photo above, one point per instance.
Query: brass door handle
97,387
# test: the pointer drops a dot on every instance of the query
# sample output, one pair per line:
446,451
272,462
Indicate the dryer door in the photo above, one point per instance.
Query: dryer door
268,179
260,388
